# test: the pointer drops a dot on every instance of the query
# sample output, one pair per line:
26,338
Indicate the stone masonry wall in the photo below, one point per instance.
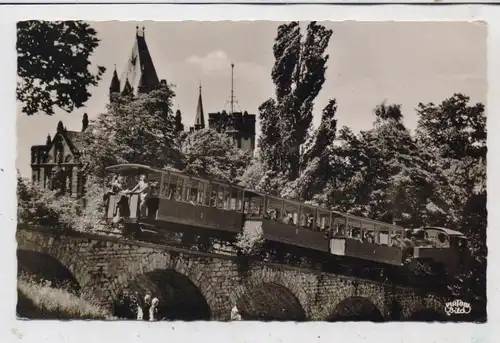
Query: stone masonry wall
105,266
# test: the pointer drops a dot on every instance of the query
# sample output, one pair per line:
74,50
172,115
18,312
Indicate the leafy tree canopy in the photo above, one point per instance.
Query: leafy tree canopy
53,65
208,153
133,130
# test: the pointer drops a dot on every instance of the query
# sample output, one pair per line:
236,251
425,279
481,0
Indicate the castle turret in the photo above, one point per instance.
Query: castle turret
85,122
114,87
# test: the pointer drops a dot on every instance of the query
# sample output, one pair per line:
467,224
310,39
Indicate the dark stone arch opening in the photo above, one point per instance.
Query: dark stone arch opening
356,309
270,302
426,315
41,267
179,298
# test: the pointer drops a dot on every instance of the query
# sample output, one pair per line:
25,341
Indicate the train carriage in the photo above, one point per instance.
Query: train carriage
176,200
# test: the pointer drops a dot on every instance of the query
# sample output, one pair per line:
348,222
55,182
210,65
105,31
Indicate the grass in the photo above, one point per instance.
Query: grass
41,301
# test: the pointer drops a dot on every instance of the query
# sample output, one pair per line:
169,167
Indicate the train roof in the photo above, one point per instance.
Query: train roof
135,167
449,232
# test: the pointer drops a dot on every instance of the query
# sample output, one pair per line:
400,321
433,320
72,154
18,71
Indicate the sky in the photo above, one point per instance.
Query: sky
370,62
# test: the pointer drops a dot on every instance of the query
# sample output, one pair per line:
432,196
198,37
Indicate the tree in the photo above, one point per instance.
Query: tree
179,127
298,75
315,158
453,134
381,173
208,153
53,65
133,130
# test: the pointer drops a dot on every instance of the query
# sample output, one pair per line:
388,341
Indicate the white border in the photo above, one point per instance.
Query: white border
36,331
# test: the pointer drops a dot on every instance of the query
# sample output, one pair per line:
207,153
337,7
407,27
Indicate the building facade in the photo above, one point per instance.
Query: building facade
56,164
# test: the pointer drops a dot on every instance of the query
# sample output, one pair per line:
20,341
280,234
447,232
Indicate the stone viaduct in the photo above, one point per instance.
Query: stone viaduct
202,286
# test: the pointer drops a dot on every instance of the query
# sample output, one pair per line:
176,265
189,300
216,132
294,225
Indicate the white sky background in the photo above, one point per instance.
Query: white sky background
79,331
404,63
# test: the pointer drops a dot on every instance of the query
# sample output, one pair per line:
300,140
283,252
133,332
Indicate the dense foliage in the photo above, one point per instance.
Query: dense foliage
53,65
134,130
208,153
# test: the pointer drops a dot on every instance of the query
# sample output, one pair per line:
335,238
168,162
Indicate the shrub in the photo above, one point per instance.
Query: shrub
42,301
251,239
43,207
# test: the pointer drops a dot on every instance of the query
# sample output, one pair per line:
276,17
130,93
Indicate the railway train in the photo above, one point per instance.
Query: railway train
176,200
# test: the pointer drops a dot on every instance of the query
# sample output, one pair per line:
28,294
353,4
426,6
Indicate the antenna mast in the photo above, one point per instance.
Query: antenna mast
232,88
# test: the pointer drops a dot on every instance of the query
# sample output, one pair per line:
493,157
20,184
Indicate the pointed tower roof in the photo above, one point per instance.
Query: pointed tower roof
140,70
114,87
127,88
199,120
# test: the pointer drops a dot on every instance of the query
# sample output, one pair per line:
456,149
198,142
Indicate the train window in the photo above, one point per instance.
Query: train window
354,229
290,213
165,186
274,208
220,197
443,240
307,217
178,191
255,206
227,198
172,187
154,183
339,228
233,199
396,237
201,192
207,194
368,232
192,190
213,195
322,220
383,236
239,201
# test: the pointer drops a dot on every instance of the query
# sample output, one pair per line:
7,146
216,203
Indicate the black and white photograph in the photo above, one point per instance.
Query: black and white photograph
291,171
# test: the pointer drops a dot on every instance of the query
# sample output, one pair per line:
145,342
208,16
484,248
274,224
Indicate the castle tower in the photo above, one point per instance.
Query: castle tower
199,120
140,73
240,126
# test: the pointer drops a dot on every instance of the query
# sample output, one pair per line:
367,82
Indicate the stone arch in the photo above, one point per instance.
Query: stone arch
45,267
355,309
270,301
179,298
179,274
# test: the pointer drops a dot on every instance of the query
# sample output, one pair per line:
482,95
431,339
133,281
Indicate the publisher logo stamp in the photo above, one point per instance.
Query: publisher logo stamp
457,307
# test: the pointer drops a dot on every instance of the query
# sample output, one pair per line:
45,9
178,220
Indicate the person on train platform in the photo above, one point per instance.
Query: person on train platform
142,188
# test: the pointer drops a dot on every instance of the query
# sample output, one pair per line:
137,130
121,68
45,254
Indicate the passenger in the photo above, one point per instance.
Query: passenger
142,188
310,222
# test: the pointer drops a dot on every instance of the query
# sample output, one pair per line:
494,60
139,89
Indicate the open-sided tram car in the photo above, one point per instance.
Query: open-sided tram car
183,200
